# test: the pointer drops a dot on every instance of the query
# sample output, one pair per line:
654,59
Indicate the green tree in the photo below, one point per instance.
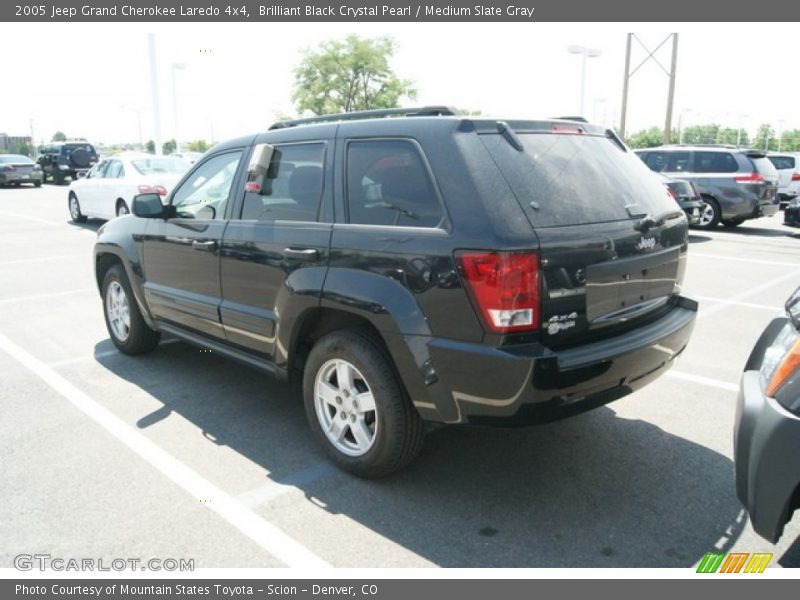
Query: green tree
59,136
169,146
701,134
349,75
765,138
731,135
150,147
646,138
198,146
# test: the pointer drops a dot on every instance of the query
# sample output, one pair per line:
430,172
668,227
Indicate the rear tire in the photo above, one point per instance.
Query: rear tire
126,327
365,422
709,214
122,208
75,209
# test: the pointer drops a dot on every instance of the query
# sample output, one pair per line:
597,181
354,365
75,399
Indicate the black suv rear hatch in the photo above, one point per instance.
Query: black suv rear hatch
612,241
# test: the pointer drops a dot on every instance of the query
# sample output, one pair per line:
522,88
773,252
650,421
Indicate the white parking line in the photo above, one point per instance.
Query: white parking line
749,293
46,296
774,309
722,385
262,532
756,261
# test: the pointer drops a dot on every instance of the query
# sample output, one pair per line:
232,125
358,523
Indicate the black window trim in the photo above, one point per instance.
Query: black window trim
240,196
445,223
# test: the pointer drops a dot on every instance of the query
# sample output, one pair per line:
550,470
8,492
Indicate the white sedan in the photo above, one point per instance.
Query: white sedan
108,189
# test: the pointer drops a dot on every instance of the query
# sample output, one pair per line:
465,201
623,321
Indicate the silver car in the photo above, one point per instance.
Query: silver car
16,169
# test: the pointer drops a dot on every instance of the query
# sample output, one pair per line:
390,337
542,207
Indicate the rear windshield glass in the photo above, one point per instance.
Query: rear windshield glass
764,166
573,179
150,166
782,162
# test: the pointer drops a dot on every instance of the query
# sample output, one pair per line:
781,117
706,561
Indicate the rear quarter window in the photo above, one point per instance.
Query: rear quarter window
575,179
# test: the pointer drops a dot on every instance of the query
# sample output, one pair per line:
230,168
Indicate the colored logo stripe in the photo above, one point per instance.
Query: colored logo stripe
734,562
710,563
758,563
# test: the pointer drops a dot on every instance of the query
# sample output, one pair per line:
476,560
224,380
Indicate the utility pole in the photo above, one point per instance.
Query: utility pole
33,142
669,73
625,87
671,93
151,44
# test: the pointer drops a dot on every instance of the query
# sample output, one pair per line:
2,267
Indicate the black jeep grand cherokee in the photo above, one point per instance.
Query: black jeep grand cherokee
428,267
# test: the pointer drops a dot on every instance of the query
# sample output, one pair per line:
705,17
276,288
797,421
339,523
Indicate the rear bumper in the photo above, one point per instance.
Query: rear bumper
525,385
17,178
766,445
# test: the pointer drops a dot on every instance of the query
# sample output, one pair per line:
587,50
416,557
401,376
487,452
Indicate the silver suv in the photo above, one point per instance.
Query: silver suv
736,184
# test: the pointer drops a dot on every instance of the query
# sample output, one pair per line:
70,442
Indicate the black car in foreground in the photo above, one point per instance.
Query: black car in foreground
767,433
425,267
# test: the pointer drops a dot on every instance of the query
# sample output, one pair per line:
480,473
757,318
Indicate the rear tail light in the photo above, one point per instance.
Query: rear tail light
153,189
504,287
795,176
753,177
670,192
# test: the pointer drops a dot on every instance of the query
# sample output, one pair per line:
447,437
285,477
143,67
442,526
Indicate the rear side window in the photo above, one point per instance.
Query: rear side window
668,161
715,162
284,183
575,179
782,162
389,184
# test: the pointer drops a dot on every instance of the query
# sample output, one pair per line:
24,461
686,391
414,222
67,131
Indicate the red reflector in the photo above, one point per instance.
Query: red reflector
253,187
795,176
671,192
566,129
750,178
505,288
161,190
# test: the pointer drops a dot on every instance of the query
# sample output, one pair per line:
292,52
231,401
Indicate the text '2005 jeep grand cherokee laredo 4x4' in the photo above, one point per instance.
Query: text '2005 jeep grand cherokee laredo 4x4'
429,267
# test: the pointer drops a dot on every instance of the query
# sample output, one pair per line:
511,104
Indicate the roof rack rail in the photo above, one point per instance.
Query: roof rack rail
424,111
573,118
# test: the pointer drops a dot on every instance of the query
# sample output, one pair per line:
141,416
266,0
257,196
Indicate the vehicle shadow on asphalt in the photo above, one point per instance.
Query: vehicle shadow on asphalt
595,490
90,225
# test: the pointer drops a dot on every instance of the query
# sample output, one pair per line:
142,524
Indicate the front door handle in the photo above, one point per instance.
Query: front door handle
308,254
205,245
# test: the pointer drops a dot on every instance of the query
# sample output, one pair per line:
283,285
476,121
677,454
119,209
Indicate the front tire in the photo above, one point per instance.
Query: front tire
357,407
127,328
709,215
75,209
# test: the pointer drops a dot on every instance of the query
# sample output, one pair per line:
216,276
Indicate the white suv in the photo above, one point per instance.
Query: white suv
788,166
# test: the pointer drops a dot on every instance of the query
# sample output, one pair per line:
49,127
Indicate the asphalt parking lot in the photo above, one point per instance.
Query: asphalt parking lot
182,454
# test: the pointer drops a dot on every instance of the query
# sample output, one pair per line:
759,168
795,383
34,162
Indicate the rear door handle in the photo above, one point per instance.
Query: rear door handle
205,245
308,254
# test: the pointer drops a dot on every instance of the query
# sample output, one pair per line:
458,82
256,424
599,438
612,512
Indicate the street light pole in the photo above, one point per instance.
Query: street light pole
176,67
151,42
585,53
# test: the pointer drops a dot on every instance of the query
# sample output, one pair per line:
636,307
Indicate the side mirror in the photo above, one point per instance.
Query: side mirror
148,206
83,174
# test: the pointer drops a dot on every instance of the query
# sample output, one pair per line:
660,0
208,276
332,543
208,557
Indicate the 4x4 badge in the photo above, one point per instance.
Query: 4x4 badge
558,323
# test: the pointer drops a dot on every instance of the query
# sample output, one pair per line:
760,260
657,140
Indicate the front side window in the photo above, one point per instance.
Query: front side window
388,184
284,183
205,194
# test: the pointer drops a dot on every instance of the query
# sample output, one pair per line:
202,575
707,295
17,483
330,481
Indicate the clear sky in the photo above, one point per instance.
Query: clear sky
87,79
